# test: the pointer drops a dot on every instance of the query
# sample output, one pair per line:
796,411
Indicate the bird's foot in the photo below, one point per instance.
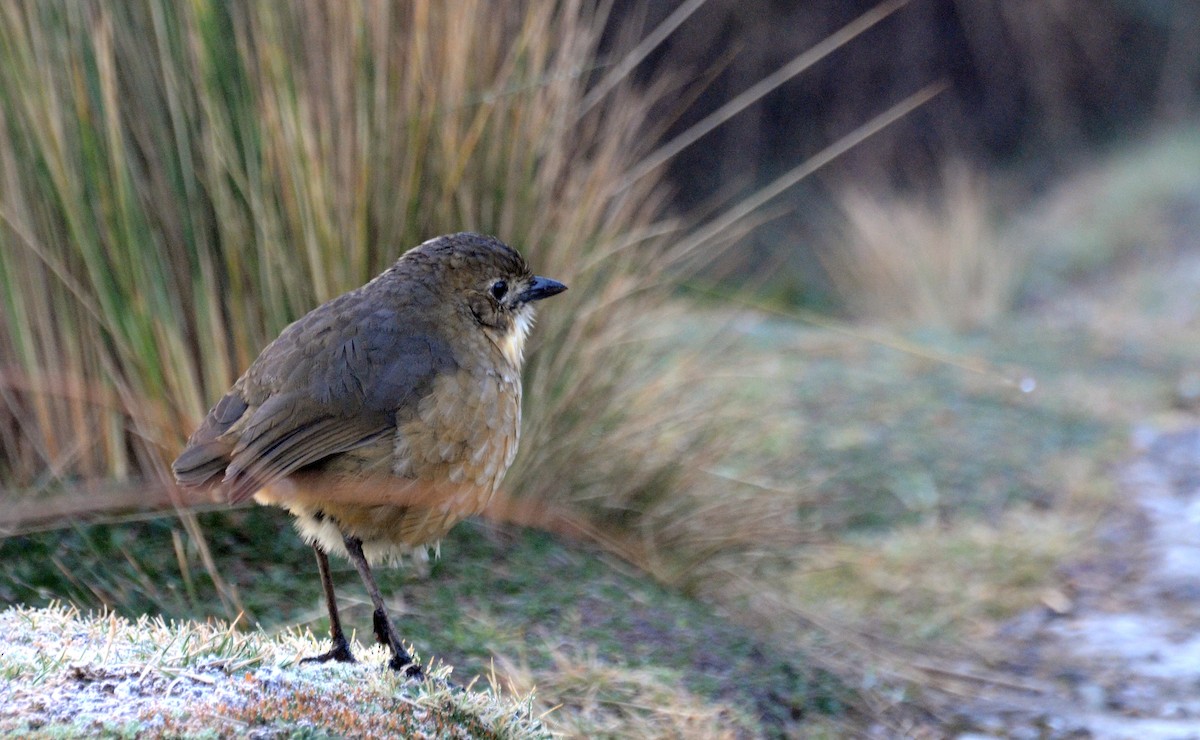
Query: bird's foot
340,652
401,661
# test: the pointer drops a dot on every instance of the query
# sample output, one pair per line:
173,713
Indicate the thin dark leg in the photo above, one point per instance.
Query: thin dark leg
341,648
384,632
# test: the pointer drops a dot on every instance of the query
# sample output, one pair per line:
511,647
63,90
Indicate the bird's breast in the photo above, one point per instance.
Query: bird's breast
465,431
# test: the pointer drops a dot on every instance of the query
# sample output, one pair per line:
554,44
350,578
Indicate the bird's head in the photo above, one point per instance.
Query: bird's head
488,281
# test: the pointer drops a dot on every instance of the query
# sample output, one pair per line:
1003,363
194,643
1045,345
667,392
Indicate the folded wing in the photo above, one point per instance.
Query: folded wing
331,382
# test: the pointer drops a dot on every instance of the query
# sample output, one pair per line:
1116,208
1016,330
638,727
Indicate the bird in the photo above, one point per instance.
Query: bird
383,417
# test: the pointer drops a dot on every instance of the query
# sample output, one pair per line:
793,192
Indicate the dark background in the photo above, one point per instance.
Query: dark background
1035,86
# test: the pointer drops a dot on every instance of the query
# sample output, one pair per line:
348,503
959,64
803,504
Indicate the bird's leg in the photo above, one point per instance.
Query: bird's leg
341,648
384,632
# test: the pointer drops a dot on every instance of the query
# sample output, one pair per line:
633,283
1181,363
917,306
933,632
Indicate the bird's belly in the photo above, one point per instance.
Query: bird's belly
405,490
387,532
391,515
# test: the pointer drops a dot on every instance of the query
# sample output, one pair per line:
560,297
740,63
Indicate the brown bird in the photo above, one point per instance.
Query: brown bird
383,417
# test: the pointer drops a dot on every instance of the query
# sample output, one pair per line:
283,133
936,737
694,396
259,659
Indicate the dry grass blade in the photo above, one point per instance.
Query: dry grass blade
585,696
631,59
756,91
701,243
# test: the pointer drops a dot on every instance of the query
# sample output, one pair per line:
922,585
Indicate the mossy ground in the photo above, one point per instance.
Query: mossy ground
522,603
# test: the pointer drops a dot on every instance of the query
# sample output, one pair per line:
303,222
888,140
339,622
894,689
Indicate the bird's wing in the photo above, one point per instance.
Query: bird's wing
330,383
207,452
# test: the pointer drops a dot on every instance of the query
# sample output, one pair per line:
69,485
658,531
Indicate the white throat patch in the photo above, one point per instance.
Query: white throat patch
513,345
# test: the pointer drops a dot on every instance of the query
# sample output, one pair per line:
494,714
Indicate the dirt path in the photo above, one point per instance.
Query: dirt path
1123,660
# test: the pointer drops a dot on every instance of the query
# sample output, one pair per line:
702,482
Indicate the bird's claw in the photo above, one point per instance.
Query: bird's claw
404,665
340,652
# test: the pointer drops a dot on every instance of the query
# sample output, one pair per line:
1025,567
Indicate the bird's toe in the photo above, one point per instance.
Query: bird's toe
403,664
340,653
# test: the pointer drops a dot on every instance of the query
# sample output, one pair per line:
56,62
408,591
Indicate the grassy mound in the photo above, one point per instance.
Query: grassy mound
67,673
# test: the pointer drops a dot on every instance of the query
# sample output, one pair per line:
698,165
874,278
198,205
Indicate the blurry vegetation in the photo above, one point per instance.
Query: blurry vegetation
1132,207
1034,86
903,259
179,181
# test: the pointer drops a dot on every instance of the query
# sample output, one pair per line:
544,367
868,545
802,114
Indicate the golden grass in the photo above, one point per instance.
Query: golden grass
930,259
583,696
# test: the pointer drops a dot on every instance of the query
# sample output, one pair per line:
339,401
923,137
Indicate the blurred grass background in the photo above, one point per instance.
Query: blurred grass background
178,181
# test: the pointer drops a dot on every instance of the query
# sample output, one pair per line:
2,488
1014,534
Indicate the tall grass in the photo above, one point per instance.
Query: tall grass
182,180
178,181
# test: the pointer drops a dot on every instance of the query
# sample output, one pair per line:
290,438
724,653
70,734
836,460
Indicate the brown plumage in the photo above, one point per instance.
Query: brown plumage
385,416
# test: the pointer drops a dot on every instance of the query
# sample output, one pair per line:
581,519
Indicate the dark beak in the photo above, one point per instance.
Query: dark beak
541,288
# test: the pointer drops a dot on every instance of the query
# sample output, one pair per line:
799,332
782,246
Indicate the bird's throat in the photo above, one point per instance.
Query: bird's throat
512,344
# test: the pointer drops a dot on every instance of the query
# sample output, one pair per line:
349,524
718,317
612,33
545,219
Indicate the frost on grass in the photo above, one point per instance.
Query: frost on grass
63,671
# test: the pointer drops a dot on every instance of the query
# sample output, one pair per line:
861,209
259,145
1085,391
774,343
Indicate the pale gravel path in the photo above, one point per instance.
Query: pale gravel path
1124,661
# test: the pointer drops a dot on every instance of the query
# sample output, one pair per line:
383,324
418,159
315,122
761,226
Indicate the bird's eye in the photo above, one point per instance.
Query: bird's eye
499,289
